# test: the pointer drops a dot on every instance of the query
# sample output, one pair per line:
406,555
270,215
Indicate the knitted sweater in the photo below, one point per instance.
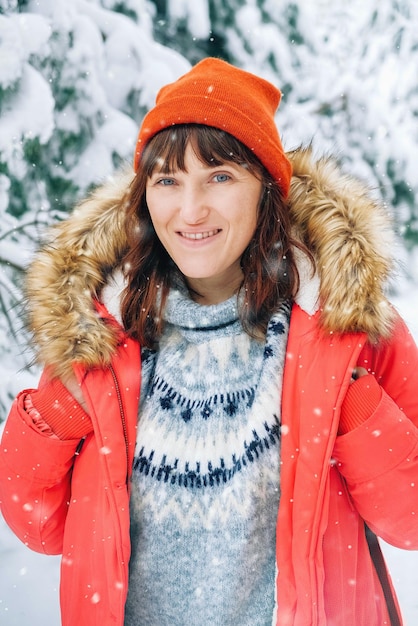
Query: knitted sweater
205,486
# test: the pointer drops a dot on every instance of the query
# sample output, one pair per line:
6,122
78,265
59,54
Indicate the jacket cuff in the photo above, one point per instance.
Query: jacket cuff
66,418
361,400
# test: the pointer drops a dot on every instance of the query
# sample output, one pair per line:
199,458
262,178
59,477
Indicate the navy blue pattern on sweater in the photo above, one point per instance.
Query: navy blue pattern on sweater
206,474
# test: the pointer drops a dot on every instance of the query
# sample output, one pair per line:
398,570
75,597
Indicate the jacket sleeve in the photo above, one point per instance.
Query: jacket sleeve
379,457
35,479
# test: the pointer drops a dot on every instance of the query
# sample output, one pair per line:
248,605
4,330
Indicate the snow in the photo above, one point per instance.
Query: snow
366,81
96,162
20,36
29,584
197,14
32,108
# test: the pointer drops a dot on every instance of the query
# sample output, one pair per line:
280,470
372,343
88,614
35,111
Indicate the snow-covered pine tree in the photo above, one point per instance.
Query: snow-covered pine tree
75,80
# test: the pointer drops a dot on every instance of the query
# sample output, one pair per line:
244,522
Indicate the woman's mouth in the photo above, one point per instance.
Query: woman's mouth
202,235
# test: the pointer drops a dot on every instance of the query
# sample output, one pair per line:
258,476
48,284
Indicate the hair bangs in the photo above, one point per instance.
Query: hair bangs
212,146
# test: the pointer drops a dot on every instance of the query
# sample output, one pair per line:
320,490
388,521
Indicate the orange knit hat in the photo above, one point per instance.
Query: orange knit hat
218,94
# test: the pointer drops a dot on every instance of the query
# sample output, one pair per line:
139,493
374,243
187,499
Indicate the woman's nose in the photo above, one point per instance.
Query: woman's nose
193,208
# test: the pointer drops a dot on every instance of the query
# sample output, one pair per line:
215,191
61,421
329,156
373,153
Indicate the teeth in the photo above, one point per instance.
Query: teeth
205,235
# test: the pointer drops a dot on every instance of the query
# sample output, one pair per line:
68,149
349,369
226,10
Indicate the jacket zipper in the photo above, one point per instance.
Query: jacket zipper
79,446
123,418
316,520
125,435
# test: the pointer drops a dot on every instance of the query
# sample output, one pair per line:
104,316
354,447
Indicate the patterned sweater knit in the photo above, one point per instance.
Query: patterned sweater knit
205,484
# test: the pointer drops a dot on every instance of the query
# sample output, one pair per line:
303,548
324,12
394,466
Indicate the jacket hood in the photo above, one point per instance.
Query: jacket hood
349,234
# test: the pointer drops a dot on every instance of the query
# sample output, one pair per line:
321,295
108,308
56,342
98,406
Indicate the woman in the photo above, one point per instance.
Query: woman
228,397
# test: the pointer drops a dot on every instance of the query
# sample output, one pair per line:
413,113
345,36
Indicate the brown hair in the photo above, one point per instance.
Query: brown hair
270,274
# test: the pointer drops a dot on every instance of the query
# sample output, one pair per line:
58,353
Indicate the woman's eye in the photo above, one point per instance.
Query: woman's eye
221,178
165,182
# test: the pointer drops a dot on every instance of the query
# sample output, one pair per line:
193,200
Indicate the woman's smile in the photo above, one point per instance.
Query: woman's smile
199,235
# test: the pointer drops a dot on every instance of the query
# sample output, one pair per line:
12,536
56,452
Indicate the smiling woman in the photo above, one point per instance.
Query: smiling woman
221,184
228,404
205,217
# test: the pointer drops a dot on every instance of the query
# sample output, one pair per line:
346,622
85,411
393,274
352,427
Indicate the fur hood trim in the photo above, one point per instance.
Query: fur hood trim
348,233
351,238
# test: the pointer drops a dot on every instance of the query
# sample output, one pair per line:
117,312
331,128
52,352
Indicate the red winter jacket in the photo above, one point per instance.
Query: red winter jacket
77,505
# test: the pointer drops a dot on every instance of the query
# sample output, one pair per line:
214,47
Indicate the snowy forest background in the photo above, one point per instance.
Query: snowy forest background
76,78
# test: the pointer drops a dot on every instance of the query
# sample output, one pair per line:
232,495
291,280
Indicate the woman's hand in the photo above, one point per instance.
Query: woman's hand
359,401
358,372
73,387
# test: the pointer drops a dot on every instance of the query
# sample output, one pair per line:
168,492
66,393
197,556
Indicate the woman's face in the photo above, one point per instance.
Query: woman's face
205,217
